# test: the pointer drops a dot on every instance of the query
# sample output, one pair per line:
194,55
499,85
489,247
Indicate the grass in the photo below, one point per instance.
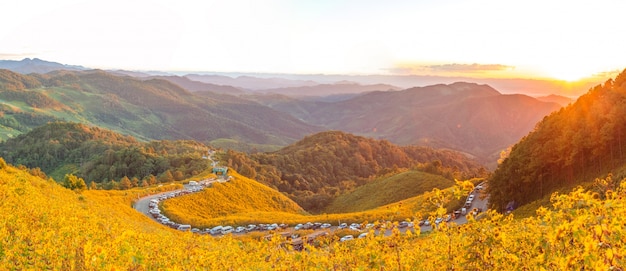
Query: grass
243,201
388,190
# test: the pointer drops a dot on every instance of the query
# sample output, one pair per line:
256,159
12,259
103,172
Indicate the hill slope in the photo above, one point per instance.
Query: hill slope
387,190
99,155
150,109
46,227
242,200
576,144
319,167
467,117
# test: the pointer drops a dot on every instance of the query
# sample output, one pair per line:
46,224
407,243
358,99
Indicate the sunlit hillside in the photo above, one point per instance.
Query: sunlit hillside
240,200
243,201
572,146
47,227
388,189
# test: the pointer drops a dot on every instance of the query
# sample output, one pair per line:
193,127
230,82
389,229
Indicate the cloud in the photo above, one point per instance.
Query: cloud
469,67
452,68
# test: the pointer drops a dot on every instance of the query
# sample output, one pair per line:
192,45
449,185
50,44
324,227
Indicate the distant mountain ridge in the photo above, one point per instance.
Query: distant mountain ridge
196,86
329,89
36,65
468,117
553,98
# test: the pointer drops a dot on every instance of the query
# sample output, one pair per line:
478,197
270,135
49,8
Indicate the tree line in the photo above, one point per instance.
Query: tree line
104,159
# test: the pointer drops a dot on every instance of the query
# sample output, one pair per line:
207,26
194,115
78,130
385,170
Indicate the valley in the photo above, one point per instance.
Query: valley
99,168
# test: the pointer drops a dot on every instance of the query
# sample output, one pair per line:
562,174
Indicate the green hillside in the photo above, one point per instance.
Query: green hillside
387,190
101,156
575,145
320,167
146,109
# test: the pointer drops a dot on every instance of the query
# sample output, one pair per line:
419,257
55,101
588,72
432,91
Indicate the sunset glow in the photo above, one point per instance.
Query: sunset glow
565,40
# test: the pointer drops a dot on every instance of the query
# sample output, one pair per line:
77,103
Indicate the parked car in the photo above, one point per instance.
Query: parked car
362,235
184,227
216,230
227,229
346,238
325,226
343,225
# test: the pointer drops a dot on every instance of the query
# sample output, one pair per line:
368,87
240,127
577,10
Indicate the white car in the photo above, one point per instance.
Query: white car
346,238
470,198
184,227
362,235
325,226
227,229
216,230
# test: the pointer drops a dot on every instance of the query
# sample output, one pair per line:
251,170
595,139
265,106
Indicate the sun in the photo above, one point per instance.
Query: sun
569,74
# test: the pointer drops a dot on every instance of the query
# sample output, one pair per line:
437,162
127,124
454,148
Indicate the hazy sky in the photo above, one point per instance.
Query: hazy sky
560,39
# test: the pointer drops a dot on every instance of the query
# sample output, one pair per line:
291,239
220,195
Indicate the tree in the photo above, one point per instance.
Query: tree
125,183
166,177
152,180
134,181
178,175
72,182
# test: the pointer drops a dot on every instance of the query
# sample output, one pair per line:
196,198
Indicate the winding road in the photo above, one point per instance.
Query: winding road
143,206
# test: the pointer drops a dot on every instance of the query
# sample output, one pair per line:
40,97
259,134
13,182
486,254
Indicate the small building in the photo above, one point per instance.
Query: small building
220,171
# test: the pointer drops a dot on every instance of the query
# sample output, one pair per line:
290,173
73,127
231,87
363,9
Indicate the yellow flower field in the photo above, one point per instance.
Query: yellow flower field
46,227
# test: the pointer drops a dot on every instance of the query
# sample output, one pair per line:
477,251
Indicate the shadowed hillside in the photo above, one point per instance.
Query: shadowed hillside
467,117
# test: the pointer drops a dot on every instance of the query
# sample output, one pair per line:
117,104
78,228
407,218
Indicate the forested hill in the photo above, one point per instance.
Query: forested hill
468,117
319,167
146,109
576,144
101,156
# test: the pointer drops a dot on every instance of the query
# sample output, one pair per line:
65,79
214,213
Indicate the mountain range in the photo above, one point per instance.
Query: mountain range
475,119
36,65
147,109
254,113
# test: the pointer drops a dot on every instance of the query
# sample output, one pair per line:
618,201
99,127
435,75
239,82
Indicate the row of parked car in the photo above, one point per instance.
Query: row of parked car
156,212
221,230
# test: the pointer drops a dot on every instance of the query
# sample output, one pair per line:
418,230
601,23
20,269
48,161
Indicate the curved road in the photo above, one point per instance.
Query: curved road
480,201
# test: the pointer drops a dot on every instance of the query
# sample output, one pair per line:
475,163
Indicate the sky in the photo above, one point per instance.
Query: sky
565,40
